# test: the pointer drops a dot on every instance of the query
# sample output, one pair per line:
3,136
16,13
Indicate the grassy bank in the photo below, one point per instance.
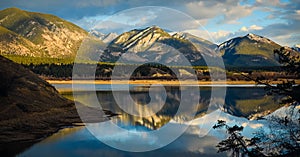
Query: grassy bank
164,82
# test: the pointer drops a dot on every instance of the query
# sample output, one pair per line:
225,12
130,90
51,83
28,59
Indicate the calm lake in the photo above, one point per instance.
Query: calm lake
199,139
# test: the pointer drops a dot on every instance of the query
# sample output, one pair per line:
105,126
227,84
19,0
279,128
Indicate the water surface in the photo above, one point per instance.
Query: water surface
199,139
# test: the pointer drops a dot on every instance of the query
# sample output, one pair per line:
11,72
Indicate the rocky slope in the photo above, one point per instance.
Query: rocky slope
202,45
31,108
249,50
38,35
152,44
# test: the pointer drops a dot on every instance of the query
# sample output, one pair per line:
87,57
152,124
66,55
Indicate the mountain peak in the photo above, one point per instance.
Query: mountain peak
296,47
181,35
252,49
258,38
154,27
138,40
12,9
152,42
252,35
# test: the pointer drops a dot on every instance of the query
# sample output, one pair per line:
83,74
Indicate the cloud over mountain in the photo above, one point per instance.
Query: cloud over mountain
278,20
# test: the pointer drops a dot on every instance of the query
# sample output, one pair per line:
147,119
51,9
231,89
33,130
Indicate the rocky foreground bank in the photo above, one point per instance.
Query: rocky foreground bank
30,108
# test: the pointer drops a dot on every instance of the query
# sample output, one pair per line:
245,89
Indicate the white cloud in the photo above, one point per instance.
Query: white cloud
296,15
287,40
283,17
244,29
284,30
111,26
201,33
251,28
255,27
263,3
230,10
220,34
234,14
215,37
102,3
141,17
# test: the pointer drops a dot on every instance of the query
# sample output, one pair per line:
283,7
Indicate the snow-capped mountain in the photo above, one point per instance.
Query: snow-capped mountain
106,38
296,47
201,44
249,50
109,37
50,36
153,44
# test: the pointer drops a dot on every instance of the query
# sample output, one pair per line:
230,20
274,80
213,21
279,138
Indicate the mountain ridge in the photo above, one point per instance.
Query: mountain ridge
47,35
152,44
33,34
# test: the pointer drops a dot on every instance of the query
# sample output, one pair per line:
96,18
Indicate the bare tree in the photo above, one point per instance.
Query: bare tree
283,137
237,144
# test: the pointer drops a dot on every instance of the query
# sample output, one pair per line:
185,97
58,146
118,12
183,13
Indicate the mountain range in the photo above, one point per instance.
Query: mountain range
24,33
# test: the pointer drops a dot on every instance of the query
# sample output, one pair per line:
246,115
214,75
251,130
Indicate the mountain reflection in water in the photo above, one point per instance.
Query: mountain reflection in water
240,103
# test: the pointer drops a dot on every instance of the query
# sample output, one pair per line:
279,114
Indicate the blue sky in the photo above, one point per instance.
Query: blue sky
223,19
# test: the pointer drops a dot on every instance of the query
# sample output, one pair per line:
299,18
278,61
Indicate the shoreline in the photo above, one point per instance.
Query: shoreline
163,82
